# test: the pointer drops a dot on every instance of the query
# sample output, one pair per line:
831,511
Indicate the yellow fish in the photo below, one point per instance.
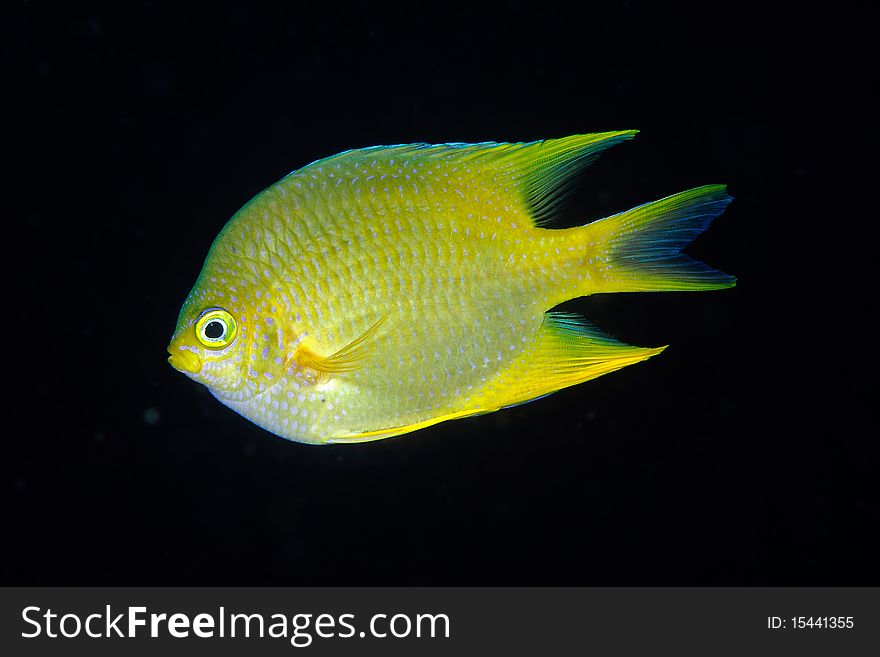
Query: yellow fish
385,289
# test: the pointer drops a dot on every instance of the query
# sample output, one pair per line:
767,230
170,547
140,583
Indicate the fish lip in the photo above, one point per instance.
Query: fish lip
184,361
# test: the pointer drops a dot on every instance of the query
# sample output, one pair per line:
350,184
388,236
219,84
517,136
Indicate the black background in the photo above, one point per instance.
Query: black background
745,454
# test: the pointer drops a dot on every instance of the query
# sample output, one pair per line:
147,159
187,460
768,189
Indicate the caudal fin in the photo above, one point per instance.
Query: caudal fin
640,250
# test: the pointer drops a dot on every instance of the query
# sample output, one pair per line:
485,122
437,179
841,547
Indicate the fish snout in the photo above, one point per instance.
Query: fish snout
184,360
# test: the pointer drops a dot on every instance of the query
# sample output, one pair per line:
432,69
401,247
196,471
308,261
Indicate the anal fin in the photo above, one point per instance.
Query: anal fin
567,351
368,436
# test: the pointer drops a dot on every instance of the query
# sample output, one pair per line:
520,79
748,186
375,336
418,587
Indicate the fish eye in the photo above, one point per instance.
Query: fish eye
215,328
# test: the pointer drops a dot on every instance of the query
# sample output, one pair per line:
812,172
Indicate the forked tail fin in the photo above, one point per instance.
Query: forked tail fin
640,250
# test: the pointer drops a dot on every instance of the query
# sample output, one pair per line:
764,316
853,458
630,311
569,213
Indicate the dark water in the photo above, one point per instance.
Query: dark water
744,454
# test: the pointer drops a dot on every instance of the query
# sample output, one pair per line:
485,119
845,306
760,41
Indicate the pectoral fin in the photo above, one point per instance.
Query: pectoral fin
348,359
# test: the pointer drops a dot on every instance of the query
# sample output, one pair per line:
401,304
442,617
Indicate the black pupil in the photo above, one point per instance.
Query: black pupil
214,330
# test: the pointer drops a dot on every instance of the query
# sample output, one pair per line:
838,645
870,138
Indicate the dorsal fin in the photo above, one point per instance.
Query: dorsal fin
545,171
539,173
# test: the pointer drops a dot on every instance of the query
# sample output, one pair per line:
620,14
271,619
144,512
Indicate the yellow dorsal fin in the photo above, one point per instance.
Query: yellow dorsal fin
539,174
567,351
348,359
546,171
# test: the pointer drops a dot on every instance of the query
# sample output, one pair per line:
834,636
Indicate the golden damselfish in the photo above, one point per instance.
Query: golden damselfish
386,289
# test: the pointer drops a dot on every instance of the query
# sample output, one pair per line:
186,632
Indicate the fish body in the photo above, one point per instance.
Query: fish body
386,289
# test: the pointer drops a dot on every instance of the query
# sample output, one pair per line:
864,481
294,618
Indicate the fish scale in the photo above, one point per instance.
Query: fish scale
493,287
386,289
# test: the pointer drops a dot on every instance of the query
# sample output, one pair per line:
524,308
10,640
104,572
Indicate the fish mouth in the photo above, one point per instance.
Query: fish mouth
184,361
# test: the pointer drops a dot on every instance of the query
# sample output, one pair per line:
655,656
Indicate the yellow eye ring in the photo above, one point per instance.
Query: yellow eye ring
215,328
